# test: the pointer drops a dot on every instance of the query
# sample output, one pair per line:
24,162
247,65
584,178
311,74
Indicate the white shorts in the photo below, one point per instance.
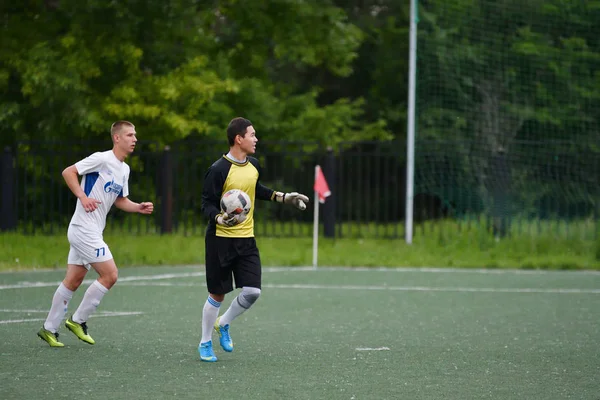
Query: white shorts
87,247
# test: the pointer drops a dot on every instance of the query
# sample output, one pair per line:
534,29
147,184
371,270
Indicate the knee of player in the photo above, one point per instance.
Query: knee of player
217,297
250,294
73,283
111,277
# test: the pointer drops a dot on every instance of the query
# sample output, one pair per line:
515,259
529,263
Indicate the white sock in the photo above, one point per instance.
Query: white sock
237,307
60,303
240,304
210,312
91,300
234,310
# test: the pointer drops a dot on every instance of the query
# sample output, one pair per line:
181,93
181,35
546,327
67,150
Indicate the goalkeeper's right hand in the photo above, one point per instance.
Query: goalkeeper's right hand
224,219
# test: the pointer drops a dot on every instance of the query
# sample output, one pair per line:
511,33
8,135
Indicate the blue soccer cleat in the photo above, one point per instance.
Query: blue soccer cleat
206,352
224,338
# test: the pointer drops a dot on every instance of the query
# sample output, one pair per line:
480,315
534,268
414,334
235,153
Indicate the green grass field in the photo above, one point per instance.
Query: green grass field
431,249
324,334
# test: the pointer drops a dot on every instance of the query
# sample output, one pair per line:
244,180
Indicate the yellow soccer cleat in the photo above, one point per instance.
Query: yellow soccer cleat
50,338
79,330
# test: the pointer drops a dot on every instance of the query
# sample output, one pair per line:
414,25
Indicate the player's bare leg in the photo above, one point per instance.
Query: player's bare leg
75,275
108,274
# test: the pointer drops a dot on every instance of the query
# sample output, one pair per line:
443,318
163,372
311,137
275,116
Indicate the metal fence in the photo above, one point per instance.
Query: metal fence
367,181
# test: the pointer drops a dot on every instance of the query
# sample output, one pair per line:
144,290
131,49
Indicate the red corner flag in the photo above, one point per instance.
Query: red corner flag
321,186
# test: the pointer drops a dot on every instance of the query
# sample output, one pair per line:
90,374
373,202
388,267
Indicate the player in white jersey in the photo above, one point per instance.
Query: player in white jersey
104,183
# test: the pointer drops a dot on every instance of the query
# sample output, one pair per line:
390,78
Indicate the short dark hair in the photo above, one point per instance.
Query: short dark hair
237,126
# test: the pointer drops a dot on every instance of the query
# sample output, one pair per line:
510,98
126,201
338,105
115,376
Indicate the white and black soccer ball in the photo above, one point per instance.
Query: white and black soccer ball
236,202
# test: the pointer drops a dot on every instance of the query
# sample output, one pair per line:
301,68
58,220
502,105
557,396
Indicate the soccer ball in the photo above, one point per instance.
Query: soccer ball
236,203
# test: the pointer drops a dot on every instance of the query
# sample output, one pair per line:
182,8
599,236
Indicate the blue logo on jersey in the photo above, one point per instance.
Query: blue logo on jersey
113,187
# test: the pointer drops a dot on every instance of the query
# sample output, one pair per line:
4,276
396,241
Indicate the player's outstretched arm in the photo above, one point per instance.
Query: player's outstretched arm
296,199
123,203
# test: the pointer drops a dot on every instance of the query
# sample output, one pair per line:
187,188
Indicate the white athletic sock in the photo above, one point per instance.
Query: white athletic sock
234,310
60,303
91,300
210,312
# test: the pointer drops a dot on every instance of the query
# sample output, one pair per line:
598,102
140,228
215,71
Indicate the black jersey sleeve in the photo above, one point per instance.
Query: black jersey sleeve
214,179
262,192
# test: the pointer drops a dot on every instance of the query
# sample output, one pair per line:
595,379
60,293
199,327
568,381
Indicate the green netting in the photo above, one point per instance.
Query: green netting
508,104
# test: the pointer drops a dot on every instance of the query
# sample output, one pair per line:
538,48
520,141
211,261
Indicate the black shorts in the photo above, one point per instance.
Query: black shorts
228,258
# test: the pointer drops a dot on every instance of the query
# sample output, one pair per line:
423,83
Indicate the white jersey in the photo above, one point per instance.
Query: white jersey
104,179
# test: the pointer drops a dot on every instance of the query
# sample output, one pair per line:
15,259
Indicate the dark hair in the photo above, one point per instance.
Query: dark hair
237,126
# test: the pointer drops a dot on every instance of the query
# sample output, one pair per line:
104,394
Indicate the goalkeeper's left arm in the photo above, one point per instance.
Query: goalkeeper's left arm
296,199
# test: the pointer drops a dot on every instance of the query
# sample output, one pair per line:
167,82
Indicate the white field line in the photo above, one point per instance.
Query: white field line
165,284
372,349
104,314
32,311
391,288
20,321
433,289
143,280
485,271
26,284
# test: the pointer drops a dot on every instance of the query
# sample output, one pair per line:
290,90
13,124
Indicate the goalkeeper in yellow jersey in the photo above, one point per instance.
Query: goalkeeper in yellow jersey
231,251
